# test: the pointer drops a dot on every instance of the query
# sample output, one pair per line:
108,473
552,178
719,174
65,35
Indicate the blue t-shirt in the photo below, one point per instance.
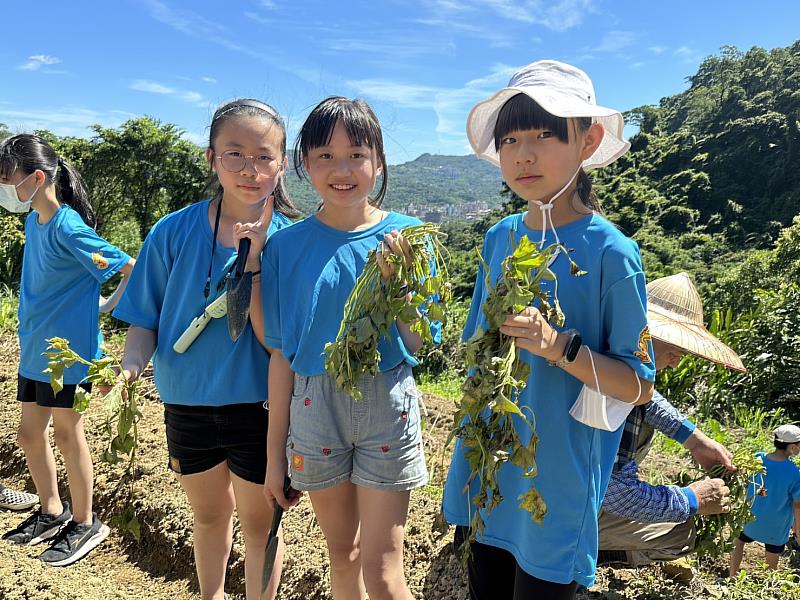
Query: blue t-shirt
773,512
309,271
608,307
63,266
166,292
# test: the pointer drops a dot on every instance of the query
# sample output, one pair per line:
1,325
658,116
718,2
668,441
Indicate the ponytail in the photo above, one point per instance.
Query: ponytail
587,194
29,153
71,190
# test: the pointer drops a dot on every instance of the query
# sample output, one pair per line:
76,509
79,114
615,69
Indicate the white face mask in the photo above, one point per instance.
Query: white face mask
9,199
596,409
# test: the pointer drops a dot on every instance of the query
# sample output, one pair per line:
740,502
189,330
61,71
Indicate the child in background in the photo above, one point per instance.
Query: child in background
357,459
776,505
544,131
63,266
214,392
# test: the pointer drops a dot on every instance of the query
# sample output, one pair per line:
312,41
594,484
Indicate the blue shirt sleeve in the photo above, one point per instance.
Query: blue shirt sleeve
623,308
667,419
98,257
627,496
476,305
143,300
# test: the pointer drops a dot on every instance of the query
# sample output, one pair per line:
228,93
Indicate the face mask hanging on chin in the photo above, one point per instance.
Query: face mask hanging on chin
10,200
598,410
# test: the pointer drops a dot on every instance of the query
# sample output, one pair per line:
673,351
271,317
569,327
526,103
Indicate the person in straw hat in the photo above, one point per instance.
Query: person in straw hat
643,523
545,130
776,501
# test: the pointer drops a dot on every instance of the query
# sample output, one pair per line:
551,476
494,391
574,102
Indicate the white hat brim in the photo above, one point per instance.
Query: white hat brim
483,116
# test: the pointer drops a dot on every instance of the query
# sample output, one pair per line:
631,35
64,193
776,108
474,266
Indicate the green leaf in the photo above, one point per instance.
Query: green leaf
81,402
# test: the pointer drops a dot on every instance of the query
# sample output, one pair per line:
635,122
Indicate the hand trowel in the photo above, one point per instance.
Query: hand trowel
240,284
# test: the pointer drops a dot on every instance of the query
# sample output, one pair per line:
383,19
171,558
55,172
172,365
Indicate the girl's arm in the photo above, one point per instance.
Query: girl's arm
616,378
140,343
796,507
107,305
281,382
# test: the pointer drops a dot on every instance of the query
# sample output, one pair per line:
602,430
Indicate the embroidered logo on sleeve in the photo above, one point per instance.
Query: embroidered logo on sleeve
298,462
642,354
100,261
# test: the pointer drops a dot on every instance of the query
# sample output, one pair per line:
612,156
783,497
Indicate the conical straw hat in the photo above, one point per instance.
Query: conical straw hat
675,316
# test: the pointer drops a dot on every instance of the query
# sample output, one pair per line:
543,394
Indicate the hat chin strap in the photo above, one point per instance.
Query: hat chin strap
547,209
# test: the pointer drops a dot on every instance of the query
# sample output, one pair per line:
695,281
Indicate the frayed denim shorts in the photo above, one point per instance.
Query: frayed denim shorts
374,442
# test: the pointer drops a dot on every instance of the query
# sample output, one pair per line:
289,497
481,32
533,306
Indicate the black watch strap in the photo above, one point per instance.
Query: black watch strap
574,343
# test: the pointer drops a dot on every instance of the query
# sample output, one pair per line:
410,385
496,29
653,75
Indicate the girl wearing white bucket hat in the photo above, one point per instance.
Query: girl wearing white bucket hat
545,130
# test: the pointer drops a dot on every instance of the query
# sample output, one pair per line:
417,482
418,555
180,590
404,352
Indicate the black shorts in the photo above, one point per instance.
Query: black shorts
42,394
201,437
771,548
495,575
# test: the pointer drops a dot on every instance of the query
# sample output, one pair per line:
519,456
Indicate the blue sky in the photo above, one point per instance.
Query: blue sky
422,65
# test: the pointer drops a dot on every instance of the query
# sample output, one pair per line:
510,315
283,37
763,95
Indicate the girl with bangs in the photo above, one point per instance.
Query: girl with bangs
545,131
213,388
358,460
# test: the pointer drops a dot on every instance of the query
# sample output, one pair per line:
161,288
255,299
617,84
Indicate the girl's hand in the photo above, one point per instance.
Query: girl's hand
393,243
273,486
257,232
534,334
126,375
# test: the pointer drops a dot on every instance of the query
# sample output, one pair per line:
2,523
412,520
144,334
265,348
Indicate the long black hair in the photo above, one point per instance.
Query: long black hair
249,107
361,124
521,113
28,153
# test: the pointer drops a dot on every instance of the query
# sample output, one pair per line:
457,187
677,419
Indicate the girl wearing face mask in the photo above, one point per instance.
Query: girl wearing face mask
63,266
544,131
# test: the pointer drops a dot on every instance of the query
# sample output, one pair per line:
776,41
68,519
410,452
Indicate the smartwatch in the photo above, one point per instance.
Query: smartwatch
574,343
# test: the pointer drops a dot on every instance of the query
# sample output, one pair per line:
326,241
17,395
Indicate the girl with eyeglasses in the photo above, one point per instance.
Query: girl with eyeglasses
214,390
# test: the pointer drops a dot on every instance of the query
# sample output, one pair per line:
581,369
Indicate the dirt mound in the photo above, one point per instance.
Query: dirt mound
162,563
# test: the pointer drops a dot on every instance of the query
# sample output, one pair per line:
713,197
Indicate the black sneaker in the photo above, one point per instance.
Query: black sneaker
38,527
74,542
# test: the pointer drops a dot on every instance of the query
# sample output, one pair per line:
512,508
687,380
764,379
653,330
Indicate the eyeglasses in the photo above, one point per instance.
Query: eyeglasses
235,161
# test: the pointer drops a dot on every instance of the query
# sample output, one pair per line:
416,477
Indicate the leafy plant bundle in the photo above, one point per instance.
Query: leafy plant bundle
417,293
717,533
484,417
122,413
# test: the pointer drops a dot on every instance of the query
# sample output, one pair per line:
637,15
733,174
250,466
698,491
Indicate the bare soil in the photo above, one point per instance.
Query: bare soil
160,566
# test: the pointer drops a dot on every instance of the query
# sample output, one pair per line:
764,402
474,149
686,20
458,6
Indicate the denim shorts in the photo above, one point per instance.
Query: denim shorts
375,442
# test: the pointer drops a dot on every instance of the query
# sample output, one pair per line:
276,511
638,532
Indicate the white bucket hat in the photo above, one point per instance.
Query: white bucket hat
563,91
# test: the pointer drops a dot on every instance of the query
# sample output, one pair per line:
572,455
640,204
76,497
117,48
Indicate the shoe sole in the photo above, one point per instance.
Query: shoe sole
18,506
90,545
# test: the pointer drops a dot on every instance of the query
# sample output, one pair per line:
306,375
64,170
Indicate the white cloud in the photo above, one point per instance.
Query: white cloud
61,120
614,41
37,61
153,87
449,104
268,5
658,49
557,16
208,79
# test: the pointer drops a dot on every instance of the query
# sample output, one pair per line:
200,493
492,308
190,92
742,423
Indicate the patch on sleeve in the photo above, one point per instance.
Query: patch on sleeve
100,261
642,354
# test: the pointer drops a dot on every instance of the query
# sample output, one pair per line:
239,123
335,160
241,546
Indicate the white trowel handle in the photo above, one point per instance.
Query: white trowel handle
194,329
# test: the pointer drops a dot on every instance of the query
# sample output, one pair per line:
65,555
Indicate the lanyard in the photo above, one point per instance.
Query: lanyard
207,289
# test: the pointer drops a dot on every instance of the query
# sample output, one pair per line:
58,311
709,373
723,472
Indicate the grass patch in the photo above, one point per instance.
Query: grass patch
446,385
9,303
